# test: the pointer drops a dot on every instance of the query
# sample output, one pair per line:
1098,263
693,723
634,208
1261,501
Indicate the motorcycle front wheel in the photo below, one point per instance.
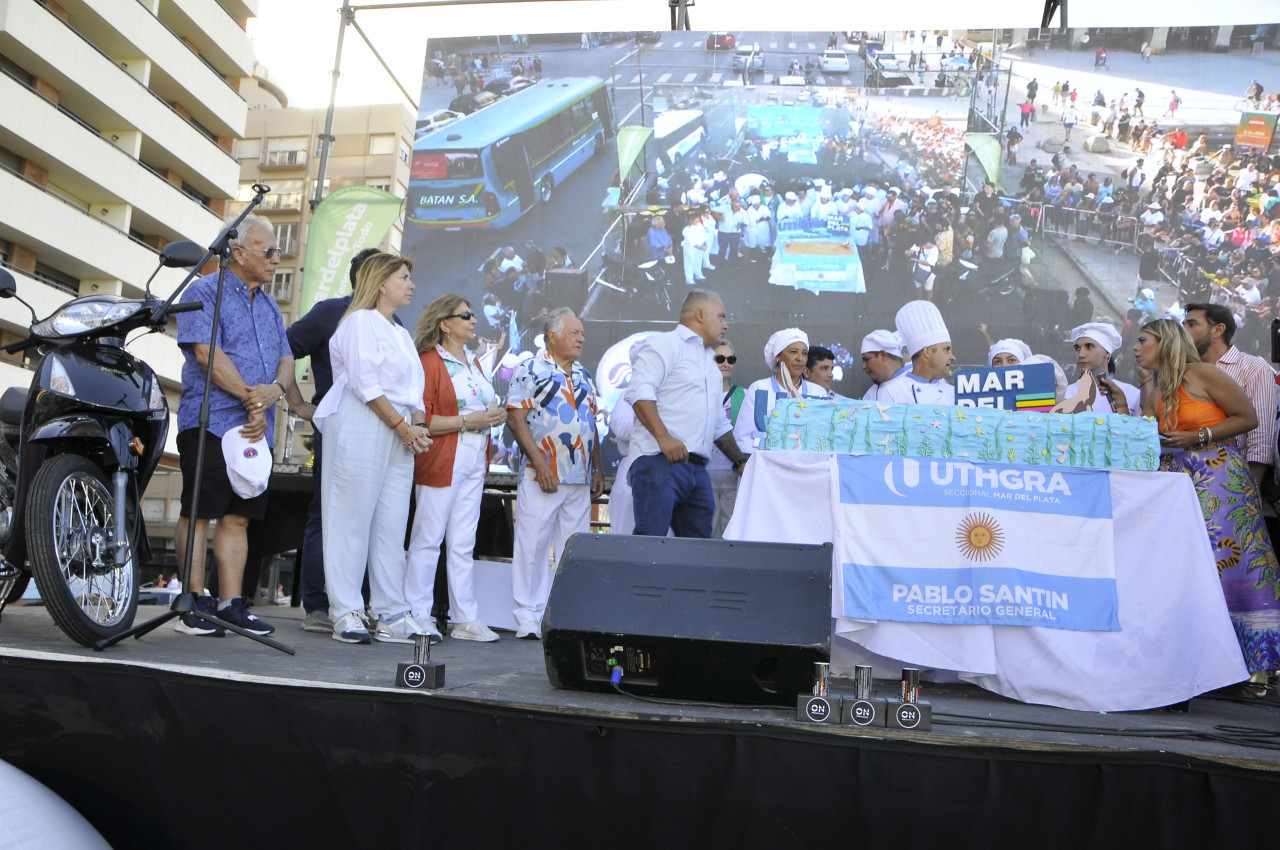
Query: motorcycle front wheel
69,527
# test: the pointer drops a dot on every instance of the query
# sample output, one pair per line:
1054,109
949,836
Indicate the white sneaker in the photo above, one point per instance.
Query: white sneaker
398,629
350,629
529,631
474,630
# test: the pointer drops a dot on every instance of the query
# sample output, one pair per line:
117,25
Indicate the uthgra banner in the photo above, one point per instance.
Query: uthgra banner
953,542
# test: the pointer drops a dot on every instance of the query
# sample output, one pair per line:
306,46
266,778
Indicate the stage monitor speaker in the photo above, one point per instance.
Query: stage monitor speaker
567,288
720,620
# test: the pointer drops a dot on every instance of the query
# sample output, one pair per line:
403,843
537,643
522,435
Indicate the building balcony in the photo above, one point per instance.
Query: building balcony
283,159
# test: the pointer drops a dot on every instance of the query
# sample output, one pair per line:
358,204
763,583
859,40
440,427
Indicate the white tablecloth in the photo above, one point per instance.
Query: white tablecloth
1175,642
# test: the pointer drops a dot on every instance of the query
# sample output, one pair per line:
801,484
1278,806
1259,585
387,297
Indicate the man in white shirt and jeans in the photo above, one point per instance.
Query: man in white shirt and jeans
675,392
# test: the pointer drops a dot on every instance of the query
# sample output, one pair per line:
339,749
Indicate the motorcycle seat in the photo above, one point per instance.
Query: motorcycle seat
12,403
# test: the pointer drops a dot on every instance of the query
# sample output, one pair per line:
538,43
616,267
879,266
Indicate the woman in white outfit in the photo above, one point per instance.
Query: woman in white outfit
373,423
461,408
786,353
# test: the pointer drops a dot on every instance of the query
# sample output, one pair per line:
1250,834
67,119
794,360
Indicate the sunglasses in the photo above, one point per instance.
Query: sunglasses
466,317
269,253
730,358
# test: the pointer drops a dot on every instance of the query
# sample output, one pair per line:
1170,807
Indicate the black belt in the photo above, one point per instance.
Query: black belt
698,459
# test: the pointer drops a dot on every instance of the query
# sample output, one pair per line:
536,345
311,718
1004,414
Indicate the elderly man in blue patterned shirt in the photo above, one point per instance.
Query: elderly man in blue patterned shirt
252,372
551,411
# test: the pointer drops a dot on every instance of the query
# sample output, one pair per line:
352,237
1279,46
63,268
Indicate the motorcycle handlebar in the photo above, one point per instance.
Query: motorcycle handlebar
20,345
185,307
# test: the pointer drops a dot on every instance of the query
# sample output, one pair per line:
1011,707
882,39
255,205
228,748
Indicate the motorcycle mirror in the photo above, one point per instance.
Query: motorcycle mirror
8,286
182,255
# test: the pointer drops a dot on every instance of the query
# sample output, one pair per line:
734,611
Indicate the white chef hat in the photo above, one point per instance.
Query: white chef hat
1016,347
920,325
779,342
248,464
882,340
1100,332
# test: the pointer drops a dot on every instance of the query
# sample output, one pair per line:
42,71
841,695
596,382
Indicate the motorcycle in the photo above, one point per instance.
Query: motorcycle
77,449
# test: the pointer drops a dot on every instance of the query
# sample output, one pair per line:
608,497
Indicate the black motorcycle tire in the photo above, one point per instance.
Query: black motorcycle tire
68,512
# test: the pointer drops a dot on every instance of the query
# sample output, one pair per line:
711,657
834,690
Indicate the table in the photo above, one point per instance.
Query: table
1176,640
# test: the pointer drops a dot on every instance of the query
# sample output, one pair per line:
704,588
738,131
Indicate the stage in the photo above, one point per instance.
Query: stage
175,741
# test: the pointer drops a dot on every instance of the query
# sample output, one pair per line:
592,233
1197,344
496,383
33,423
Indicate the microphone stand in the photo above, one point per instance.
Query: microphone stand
185,603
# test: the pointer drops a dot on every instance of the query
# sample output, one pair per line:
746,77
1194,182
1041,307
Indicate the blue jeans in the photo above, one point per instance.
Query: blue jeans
313,596
671,495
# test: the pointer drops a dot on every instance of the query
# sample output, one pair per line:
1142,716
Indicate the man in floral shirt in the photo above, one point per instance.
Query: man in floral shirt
551,411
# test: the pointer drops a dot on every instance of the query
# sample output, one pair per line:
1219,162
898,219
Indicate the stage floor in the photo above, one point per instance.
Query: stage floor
510,674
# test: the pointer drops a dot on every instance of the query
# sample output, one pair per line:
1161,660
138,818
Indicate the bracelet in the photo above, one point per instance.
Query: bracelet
1200,434
1210,430
399,422
283,391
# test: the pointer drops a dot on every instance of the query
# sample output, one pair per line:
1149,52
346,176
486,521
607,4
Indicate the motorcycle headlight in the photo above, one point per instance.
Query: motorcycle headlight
83,316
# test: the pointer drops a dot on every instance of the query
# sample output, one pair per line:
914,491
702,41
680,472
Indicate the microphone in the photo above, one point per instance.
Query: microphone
1100,375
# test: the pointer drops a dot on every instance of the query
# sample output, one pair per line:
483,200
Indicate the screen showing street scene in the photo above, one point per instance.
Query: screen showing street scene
1027,182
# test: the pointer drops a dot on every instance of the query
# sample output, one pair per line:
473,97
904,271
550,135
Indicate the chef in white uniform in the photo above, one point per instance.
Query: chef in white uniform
928,342
1094,344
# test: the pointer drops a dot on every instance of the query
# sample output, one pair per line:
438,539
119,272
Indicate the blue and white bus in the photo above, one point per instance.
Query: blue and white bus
489,168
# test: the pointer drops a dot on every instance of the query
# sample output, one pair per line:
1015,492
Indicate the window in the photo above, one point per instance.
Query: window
248,148
382,144
405,152
285,151
383,183
281,288
57,279
326,188
287,237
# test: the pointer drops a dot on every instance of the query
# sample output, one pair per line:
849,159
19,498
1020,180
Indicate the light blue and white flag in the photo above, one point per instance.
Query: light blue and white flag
953,542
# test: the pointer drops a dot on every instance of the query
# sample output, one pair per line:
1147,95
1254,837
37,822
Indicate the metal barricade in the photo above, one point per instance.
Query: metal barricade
1107,228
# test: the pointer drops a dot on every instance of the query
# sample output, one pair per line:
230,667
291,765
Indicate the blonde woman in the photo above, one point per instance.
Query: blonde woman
373,424
461,407
1200,411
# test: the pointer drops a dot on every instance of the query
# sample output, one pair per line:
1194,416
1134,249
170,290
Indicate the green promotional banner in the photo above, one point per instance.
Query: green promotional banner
631,141
987,148
344,224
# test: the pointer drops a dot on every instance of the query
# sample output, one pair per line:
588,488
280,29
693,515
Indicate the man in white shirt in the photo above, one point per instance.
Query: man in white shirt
731,226
511,260
675,392
1212,327
881,360
928,342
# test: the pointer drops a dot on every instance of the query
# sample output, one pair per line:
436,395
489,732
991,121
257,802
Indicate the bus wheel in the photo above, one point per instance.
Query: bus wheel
545,189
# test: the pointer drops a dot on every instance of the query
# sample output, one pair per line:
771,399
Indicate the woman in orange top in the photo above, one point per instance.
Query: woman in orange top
1200,410
461,408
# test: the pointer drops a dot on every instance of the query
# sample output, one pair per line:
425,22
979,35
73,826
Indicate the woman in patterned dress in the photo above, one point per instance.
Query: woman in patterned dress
1200,411
448,482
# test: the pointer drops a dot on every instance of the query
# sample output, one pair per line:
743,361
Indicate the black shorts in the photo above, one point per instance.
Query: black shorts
217,499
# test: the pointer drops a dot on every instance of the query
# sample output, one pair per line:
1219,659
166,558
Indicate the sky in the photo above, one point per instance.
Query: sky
295,39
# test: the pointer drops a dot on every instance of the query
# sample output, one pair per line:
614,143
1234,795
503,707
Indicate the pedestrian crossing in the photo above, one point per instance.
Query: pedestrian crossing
805,46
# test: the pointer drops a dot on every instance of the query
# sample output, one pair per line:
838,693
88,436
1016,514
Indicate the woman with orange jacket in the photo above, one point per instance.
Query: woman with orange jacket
461,408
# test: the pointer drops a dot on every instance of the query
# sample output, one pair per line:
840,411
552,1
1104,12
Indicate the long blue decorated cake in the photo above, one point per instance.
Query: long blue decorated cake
1101,440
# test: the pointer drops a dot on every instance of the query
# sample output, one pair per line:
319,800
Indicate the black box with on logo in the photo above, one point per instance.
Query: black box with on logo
698,619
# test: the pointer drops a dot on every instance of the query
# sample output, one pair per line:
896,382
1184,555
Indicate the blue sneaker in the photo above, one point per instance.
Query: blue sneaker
238,615
190,625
